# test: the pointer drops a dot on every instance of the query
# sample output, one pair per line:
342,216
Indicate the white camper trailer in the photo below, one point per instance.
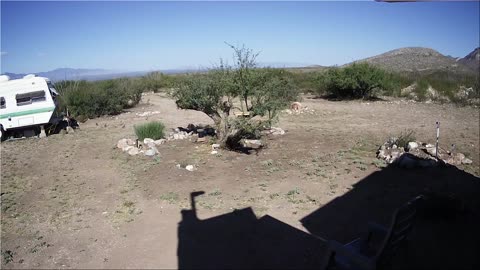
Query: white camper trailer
27,105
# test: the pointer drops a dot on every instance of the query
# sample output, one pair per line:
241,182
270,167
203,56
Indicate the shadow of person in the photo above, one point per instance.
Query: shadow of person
238,240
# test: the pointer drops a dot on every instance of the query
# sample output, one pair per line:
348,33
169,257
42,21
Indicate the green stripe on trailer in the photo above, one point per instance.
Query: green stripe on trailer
15,114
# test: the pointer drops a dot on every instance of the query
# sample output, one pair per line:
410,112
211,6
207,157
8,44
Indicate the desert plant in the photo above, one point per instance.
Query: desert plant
153,130
93,99
258,92
402,140
355,81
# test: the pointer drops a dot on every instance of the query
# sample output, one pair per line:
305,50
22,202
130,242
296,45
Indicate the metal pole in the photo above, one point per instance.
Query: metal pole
438,135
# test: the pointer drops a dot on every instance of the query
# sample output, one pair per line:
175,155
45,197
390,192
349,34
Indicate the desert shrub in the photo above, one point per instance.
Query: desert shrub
153,130
394,83
355,81
421,88
403,138
306,82
446,83
261,92
93,99
155,81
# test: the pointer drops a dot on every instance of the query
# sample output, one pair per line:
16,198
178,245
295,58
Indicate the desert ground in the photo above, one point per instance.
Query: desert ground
77,201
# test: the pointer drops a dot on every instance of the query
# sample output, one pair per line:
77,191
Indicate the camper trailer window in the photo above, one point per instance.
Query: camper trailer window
2,103
29,98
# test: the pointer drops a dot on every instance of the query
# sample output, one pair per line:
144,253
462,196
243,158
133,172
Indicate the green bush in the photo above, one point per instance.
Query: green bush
403,138
355,81
153,130
93,99
244,87
155,81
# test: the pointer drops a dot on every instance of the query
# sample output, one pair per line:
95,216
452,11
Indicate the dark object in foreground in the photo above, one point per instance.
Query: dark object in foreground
376,248
240,240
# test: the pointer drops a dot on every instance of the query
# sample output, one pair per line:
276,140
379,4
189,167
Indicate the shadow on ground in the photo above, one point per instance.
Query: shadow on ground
446,232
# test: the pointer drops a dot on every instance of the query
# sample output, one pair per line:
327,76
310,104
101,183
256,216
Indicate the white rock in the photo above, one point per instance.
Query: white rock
215,146
122,143
214,152
412,146
255,144
150,153
176,136
189,168
125,142
148,140
154,149
151,144
127,148
158,142
467,161
277,131
432,151
133,151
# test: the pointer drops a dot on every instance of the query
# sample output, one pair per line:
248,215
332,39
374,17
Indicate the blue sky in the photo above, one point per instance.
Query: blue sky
41,36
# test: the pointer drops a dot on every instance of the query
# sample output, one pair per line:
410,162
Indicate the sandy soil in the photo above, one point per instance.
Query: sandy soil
76,201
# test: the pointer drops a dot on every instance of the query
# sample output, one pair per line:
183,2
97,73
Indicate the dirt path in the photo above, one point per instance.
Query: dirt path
75,201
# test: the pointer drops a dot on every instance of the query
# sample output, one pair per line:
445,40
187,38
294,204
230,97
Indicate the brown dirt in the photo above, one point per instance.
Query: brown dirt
75,201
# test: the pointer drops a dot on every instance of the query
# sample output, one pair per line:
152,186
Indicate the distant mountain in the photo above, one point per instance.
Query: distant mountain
417,59
472,60
91,74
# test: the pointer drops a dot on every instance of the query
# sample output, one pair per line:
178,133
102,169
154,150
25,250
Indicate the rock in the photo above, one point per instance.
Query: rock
394,146
381,154
148,140
176,136
296,106
467,161
214,152
459,157
70,130
178,166
189,168
203,139
277,131
150,153
431,150
412,146
288,111
254,144
194,138
125,142
158,142
133,151
215,146
127,148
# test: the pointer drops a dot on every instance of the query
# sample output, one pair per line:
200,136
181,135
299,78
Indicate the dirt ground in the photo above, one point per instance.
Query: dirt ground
76,201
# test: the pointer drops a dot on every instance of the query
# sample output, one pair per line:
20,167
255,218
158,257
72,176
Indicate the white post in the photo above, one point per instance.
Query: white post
438,135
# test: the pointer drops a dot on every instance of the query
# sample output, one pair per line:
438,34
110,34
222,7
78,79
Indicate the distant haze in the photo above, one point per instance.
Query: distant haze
399,60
